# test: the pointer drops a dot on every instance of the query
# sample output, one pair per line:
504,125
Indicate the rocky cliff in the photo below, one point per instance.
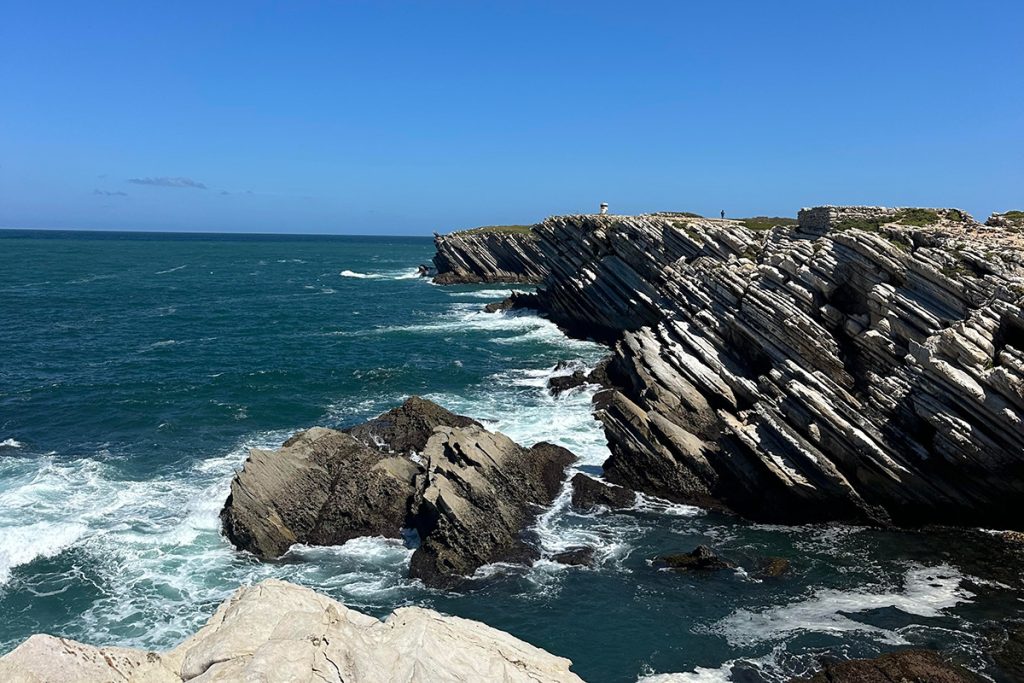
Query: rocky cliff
488,255
276,631
865,365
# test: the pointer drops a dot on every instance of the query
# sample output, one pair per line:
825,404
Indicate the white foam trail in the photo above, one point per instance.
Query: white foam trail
10,443
410,274
489,293
361,276
170,270
926,592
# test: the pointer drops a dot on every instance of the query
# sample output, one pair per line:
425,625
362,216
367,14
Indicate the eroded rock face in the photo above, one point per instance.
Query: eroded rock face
276,631
478,256
856,367
909,666
469,493
589,493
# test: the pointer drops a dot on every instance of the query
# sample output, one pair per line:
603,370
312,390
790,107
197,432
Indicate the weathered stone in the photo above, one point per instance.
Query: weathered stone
579,557
701,559
589,493
909,666
276,631
469,493
475,256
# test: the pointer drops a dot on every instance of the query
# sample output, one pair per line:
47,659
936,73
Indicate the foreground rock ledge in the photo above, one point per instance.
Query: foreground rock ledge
470,493
277,631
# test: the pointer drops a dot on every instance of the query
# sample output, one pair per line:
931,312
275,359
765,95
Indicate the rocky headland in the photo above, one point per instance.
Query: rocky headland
277,631
469,493
865,364
490,254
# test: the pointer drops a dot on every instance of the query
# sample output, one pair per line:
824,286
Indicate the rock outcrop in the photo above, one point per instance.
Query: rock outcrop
470,493
486,255
589,493
866,365
700,559
276,631
908,666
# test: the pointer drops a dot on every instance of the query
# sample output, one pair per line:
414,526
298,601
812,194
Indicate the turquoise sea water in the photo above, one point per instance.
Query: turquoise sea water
137,369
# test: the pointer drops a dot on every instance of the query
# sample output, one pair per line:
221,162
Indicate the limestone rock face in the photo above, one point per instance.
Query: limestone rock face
480,256
276,631
860,366
470,493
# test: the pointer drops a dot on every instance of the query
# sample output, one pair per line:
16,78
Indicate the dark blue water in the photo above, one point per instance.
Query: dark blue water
137,369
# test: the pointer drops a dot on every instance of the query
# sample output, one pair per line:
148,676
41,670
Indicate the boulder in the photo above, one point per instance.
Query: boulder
470,493
909,666
578,557
701,559
277,631
589,493
772,567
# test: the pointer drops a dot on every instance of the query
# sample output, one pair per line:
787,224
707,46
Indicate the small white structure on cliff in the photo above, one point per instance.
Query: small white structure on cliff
604,208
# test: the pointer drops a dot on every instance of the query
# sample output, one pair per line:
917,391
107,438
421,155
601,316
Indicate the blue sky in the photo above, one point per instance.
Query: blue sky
389,117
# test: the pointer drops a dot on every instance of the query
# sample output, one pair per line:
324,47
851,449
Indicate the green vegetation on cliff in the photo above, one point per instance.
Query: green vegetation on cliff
504,229
766,222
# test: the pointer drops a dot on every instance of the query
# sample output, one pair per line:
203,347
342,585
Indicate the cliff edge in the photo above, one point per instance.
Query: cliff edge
491,254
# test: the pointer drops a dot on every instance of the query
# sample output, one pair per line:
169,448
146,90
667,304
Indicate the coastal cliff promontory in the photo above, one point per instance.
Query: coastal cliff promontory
866,364
502,253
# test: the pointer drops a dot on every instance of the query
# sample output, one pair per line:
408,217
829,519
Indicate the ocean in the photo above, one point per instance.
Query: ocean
137,369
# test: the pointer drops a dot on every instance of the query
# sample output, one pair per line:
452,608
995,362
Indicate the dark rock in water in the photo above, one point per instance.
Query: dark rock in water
599,375
702,558
515,301
1009,654
469,492
407,428
505,304
589,493
578,557
423,270
562,383
322,487
909,666
772,567
483,491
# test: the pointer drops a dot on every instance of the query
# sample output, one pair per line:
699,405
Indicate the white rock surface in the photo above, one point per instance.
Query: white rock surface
276,632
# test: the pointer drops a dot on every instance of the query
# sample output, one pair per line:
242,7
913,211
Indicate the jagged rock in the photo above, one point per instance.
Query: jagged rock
505,304
909,666
469,493
1009,654
407,428
589,493
482,490
865,365
513,302
482,255
701,559
276,631
772,567
578,557
560,384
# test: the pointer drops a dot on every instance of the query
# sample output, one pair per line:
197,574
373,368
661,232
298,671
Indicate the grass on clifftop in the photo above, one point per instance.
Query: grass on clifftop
505,229
766,222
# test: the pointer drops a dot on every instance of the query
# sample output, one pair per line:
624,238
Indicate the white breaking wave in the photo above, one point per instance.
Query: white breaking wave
361,276
489,293
926,592
170,270
409,274
10,443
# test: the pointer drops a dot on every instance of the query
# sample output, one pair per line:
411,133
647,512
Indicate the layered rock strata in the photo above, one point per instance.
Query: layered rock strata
470,493
859,366
276,631
476,256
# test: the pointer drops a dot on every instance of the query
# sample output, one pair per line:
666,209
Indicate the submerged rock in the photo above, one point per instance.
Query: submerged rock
909,666
277,631
470,493
589,493
702,558
772,567
579,557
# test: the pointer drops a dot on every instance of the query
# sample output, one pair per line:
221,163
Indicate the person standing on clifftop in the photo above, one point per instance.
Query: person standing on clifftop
723,213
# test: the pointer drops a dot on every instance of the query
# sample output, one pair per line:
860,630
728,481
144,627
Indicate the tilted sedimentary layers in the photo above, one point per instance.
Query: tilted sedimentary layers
475,256
276,631
867,365
468,492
